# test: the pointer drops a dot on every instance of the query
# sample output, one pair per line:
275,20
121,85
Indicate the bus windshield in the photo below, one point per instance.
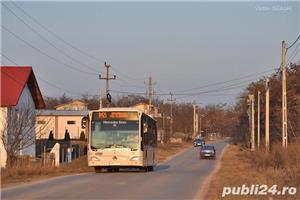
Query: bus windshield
115,134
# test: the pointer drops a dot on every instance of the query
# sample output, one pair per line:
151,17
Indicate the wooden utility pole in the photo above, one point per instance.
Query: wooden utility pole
251,98
171,100
267,123
258,120
284,100
107,79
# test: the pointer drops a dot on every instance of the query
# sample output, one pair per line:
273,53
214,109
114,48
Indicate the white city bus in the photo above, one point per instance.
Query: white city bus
121,138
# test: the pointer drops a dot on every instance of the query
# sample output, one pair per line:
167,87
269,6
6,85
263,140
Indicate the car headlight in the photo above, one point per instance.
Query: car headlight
135,158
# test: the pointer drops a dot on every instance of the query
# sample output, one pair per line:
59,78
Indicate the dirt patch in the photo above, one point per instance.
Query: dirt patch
240,166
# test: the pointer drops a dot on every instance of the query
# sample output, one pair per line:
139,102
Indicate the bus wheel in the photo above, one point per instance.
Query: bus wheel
98,169
109,169
144,169
116,169
150,168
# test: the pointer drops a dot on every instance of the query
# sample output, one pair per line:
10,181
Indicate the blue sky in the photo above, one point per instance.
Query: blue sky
181,45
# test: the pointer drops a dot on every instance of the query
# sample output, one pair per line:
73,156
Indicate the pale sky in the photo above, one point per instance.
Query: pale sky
181,45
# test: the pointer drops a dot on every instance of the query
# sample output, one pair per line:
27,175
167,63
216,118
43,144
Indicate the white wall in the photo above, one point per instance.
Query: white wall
27,100
3,117
58,125
73,129
43,130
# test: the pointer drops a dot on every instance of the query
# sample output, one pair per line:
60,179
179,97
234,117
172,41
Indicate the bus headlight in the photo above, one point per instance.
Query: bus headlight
135,158
94,158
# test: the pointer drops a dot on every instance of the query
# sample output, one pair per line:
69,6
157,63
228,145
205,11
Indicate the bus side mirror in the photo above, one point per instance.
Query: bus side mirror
84,122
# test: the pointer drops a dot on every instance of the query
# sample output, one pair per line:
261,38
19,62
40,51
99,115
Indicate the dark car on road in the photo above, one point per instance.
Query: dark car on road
208,151
199,142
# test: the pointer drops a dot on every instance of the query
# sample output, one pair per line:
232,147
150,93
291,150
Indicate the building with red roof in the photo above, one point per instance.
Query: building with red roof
20,97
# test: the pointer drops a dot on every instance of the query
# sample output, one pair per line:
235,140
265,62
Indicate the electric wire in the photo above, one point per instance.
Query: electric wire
45,54
46,40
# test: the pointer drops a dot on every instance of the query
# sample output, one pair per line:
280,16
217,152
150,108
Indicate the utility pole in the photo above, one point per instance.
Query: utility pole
251,98
107,78
171,100
267,123
284,100
150,93
194,120
200,121
100,102
258,120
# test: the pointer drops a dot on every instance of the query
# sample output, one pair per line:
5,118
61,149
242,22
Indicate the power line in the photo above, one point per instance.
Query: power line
46,40
69,44
293,43
45,54
294,53
9,59
203,93
225,87
54,34
44,80
228,81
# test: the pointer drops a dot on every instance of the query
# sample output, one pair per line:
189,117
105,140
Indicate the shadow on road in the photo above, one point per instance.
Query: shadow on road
161,167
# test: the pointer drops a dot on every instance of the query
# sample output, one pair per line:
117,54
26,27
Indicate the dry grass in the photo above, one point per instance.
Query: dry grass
21,172
240,166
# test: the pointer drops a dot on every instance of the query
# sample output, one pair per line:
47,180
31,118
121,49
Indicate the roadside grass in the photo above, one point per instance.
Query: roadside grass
27,172
20,172
240,166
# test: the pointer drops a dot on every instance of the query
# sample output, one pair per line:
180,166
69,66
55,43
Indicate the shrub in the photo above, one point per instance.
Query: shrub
67,135
51,137
82,136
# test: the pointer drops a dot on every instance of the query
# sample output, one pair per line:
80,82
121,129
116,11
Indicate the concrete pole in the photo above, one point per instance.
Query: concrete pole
267,123
284,99
100,102
194,120
252,124
258,120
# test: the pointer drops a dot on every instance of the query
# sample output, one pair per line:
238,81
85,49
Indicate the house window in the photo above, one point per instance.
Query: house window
71,122
41,122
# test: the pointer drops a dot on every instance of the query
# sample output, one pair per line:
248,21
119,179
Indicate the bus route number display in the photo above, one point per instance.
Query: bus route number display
118,115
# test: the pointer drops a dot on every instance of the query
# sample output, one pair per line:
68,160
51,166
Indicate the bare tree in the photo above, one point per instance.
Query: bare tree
18,131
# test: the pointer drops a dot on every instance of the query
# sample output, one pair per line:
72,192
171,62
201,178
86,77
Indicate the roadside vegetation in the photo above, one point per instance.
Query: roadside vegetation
240,166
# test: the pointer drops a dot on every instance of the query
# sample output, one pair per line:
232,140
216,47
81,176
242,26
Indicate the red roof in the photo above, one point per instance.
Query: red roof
13,81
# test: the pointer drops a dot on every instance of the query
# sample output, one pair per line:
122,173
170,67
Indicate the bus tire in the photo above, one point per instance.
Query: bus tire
98,169
150,168
145,169
116,169
109,169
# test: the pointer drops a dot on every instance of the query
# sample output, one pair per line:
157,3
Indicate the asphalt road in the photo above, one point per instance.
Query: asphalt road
178,178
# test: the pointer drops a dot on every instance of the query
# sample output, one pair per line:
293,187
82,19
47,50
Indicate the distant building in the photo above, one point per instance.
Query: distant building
73,105
146,108
19,92
60,121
